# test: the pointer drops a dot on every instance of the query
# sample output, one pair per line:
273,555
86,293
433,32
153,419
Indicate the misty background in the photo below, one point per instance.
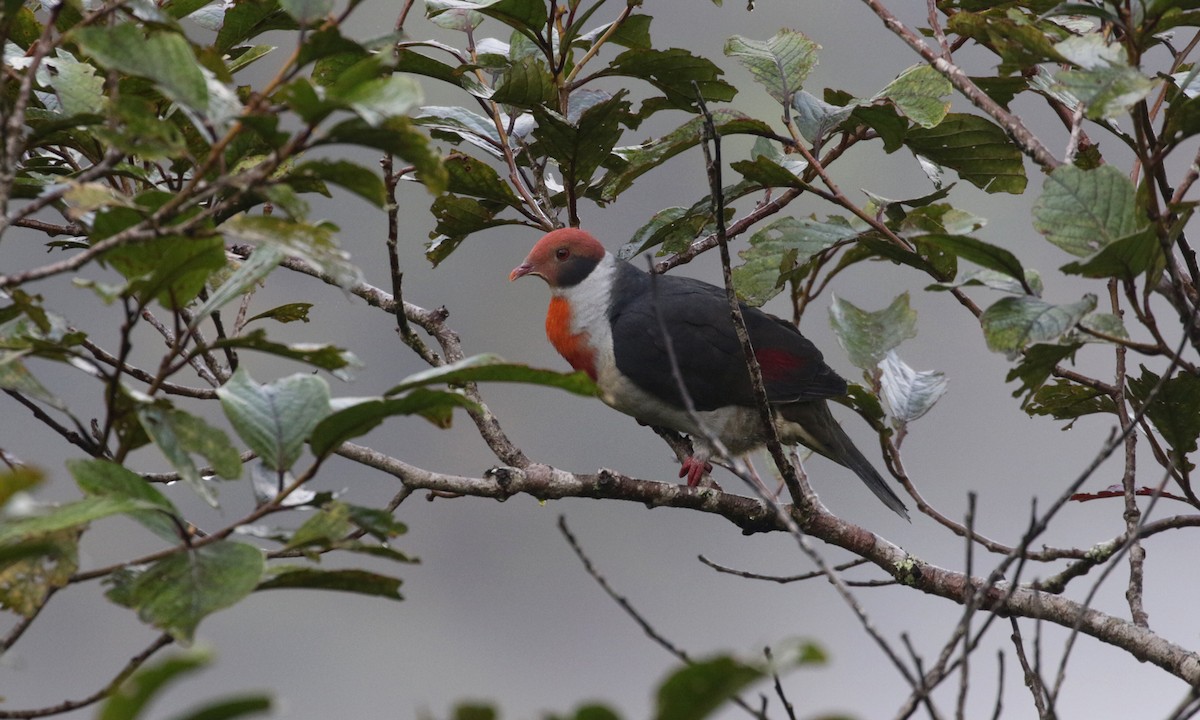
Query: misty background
499,610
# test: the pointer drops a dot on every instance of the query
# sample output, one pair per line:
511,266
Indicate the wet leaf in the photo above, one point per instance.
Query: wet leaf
275,419
979,150
1012,323
103,478
867,337
361,582
909,393
1081,211
699,689
491,368
780,64
919,94
177,592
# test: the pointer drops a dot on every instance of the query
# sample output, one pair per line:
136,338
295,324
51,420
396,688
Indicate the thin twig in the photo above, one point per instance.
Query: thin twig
786,579
1033,680
67,706
632,612
783,698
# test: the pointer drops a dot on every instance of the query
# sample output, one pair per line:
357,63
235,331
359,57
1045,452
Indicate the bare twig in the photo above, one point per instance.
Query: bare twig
786,579
1033,680
632,612
783,698
64,707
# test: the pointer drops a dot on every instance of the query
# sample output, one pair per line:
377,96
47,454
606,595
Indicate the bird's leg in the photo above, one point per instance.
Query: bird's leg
694,467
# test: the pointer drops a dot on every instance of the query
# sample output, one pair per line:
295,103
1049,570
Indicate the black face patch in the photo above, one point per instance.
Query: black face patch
574,269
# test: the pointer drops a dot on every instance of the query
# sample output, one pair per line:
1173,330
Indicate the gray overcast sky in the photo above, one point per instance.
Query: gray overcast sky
499,610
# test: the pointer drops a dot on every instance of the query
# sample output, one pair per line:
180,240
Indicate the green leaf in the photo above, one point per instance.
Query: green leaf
1106,91
527,83
816,118
918,93
992,257
79,89
475,711
327,357
306,12
780,64
589,712
31,569
15,376
1037,364
633,33
172,269
974,147
470,176
398,136
69,516
250,18
179,435
362,417
260,263
673,72
886,121
868,336
286,313
380,99
1064,400
1175,410
1108,325
457,218
781,171
228,708
102,478
631,162
909,393
140,131
526,16
275,419
177,592
165,58
670,227
1012,323
927,258
1019,42
1081,211
245,59
314,244
325,529
137,692
699,689
455,124
354,581
182,8
458,19
491,368
379,523
778,248
579,147
350,175
994,280
19,478
1126,258
410,61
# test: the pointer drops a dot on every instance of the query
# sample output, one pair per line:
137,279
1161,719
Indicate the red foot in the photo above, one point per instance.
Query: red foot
694,470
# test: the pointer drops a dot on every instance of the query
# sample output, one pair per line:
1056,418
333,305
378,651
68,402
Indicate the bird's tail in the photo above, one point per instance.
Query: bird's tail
821,432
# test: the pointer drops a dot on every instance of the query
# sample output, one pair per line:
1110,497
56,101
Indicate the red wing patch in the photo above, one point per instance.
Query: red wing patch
778,364
572,346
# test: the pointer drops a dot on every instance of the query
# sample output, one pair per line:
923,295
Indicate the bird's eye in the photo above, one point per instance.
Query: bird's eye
562,253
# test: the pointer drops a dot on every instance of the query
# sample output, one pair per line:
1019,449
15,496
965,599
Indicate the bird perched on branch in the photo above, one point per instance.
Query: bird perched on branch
606,318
